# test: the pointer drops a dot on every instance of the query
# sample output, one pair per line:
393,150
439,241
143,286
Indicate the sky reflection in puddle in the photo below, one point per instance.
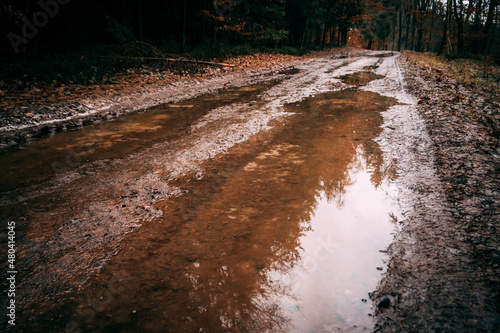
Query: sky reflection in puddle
339,256
283,236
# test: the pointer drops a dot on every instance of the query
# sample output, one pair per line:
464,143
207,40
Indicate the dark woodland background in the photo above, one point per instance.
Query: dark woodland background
74,36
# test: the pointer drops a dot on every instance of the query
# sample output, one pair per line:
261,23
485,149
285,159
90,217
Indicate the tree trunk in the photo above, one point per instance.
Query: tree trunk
325,32
400,27
332,35
415,31
344,36
488,25
407,35
476,41
420,37
429,41
325,25
184,26
139,21
393,44
318,37
304,34
445,28
460,26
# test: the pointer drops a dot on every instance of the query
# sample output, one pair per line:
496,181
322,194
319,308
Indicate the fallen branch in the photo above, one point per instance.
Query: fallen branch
209,63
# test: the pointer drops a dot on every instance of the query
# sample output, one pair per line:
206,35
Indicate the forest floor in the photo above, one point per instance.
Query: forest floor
444,263
444,271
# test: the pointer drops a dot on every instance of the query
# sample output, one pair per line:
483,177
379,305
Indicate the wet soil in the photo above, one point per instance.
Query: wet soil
360,78
25,123
218,228
383,55
240,250
69,226
73,224
444,267
36,161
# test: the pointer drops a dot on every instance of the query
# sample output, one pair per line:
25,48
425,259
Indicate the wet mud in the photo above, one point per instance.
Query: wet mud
383,55
269,214
282,234
36,161
360,78
80,113
443,271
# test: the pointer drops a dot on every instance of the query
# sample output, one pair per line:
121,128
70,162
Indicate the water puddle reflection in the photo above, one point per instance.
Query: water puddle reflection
38,160
360,78
339,257
383,55
345,56
283,238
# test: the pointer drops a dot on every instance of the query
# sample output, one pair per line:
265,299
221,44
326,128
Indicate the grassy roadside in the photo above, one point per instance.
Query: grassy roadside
461,109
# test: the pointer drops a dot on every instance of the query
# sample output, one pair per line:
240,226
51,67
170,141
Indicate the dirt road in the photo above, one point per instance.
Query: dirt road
194,215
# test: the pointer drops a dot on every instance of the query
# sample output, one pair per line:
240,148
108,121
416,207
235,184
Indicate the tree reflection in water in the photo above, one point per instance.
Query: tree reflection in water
221,261
266,208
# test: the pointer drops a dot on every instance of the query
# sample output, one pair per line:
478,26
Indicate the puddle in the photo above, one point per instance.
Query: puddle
346,56
291,71
383,55
281,235
360,78
36,161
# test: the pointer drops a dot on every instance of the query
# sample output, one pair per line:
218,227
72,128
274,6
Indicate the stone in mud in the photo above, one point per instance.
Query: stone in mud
385,303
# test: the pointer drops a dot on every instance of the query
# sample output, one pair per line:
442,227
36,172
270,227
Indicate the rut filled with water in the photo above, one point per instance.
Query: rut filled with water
282,234
36,161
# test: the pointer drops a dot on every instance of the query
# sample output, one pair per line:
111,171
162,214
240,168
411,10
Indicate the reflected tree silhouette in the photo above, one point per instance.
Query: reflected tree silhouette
273,202
221,264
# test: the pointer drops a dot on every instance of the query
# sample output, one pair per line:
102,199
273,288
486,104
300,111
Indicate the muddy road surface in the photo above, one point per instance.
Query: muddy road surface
283,204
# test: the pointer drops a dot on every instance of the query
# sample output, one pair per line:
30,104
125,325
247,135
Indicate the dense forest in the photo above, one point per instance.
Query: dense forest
33,30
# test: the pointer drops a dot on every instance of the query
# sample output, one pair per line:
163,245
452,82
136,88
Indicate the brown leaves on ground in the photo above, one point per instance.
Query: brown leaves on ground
17,96
464,122
259,60
461,110
475,74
